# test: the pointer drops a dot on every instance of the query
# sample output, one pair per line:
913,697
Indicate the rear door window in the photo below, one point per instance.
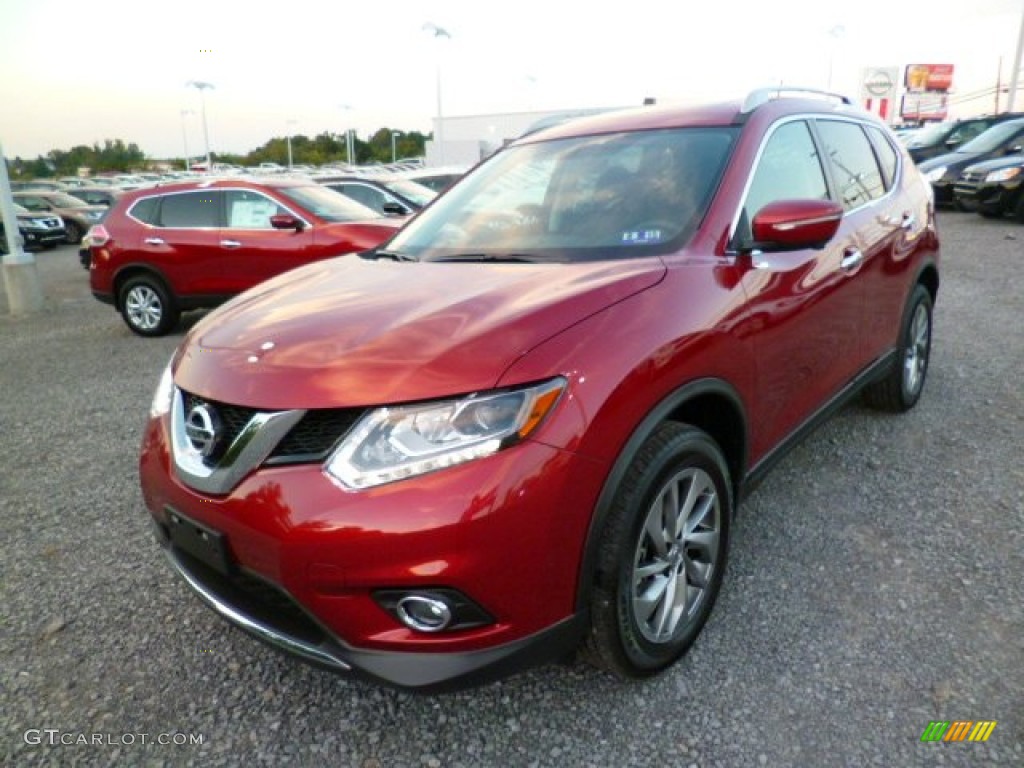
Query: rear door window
192,210
887,157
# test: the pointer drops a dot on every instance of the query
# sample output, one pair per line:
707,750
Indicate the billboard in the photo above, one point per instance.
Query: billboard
928,78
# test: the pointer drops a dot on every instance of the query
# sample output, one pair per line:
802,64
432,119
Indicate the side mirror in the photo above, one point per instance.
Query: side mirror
788,225
286,221
1016,149
392,208
953,142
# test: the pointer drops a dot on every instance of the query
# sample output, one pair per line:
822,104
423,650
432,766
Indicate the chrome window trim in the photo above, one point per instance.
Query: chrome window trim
138,200
810,118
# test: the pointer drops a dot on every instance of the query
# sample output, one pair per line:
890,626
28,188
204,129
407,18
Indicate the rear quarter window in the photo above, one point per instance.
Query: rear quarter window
146,210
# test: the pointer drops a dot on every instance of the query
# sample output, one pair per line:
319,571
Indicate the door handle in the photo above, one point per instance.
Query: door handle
154,241
851,258
908,221
231,243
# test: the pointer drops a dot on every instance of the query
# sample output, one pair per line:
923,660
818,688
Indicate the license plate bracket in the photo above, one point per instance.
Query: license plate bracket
200,541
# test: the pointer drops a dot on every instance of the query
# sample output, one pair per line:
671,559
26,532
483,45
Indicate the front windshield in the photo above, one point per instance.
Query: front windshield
328,204
993,138
410,190
608,196
930,134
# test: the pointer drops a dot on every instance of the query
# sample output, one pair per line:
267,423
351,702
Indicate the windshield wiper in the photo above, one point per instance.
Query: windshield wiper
499,258
381,253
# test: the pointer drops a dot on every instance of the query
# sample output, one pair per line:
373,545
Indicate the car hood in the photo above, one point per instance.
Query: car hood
355,332
995,165
950,160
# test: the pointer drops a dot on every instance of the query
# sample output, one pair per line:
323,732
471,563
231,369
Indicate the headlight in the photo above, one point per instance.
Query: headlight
164,392
1004,175
936,174
390,444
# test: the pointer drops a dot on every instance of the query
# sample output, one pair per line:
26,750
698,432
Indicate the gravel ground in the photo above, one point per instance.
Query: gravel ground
875,585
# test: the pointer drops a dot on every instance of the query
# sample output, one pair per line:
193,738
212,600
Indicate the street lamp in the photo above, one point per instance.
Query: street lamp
348,138
290,123
438,33
184,136
201,86
394,155
836,33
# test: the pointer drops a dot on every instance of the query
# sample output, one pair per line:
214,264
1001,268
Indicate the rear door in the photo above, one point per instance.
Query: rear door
183,242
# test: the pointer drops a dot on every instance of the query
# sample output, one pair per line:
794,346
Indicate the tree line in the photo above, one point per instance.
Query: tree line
114,155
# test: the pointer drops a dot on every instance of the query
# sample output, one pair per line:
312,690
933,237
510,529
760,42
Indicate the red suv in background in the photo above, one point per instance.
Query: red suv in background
525,425
163,250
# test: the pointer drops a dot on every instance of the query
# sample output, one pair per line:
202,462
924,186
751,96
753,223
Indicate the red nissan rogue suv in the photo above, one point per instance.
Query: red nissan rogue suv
524,426
163,250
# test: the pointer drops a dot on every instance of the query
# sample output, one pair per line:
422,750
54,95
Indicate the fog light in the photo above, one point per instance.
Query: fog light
424,614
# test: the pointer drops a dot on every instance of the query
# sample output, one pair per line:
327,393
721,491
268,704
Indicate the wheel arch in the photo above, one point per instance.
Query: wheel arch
711,405
928,276
129,271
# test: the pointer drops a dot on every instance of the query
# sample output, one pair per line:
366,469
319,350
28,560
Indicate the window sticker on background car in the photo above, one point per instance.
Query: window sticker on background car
641,237
253,214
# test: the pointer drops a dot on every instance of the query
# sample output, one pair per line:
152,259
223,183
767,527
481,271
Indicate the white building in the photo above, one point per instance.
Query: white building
467,139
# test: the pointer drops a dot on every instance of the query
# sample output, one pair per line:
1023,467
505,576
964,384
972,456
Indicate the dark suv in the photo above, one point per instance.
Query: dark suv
525,424
186,246
1000,140
940,138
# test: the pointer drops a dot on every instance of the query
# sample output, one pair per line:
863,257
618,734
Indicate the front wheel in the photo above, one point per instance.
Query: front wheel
73,232
147,307
901,389
663,554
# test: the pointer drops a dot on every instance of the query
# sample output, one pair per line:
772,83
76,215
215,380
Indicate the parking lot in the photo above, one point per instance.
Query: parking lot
875,584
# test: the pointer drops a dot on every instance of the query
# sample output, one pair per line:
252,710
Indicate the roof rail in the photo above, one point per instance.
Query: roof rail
763,95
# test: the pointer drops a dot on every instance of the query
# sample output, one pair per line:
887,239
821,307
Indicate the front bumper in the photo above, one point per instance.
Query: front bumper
309,558
298,635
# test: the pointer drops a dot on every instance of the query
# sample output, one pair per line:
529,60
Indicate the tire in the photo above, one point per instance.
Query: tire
147,306
900,390
1018,211
74,232
638,628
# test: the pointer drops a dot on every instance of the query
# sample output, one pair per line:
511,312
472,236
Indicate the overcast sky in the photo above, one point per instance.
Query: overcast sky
79,71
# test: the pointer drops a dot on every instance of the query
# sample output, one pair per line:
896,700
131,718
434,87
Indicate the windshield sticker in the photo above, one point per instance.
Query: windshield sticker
641,236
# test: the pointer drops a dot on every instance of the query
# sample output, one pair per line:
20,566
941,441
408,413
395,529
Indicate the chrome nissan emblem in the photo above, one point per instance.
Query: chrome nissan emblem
201,428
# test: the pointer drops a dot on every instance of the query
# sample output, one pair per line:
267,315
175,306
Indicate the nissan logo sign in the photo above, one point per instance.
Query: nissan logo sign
202,428
878,83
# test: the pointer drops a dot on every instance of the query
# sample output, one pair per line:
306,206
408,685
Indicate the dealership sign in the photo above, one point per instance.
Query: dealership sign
928,78
879,83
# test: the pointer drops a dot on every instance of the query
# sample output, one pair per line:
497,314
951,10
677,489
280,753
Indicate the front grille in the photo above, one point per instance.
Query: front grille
315,435
310,440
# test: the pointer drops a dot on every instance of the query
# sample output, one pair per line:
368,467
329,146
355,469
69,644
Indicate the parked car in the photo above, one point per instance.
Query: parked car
164,250
937,139
48,185
993,188
105,196
1005,138
77,215
437,179
388,196
38,230
525,423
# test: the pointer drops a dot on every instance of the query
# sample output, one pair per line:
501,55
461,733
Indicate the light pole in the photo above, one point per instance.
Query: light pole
1015,72
394,134
290,123
438,33
348,137
836,33
184,136
201,86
